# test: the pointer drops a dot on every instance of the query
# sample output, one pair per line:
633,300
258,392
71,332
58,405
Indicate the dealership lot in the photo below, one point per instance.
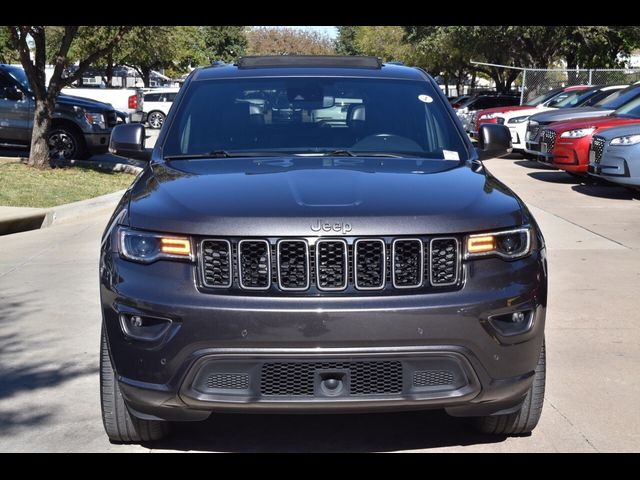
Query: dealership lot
50,324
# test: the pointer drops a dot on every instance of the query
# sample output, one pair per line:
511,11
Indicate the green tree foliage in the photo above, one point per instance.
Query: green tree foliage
224,43
346,41
174,48
387,42
8,54
287,41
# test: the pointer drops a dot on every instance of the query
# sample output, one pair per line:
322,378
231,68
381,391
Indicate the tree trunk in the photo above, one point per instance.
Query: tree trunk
39,153
109,70
146,77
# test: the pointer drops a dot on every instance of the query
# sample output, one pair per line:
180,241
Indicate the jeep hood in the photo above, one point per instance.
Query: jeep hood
564,114
285,196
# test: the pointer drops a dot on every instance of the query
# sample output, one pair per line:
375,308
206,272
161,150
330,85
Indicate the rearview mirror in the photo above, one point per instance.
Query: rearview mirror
127,140
494,140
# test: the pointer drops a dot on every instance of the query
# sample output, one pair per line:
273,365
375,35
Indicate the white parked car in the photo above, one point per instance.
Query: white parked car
154,106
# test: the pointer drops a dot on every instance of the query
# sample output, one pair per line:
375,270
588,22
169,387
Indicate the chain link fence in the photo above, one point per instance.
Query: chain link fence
535,82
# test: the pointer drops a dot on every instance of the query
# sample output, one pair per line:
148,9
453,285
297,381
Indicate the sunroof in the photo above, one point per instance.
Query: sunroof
271,61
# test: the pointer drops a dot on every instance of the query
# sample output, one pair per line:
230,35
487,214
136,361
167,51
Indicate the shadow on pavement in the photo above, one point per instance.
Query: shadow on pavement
555,176
534,165
606,191
24,363
324,433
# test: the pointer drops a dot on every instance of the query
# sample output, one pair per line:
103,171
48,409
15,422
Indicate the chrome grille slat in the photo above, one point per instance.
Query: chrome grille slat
293,265
254,264
370,259
332,262
407,263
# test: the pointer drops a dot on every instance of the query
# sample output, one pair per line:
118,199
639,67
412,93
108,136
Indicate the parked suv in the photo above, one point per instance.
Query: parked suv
80,126
154,106
318,234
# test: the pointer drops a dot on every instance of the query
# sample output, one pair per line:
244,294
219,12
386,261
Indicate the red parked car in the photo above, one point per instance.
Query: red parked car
490,115
565,145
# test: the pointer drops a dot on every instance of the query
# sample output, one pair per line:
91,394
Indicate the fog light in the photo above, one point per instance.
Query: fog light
142,327
137,321
515,323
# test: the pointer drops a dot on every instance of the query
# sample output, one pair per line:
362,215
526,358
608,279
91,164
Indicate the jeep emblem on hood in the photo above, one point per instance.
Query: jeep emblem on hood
337,227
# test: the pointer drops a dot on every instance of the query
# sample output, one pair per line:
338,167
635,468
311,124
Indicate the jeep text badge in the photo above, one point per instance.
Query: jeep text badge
336,227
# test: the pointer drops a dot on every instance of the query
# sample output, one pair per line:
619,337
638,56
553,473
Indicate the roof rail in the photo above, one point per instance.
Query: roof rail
328,61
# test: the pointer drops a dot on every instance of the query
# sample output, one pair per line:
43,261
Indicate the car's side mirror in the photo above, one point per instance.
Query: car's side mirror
12,93
494,140
127,140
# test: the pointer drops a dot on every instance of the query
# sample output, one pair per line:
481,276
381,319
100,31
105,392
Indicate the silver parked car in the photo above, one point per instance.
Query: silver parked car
615,155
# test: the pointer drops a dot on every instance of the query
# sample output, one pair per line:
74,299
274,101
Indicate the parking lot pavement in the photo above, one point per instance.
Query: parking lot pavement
50,324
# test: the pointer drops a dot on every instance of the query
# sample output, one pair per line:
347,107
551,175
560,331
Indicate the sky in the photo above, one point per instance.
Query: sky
331,32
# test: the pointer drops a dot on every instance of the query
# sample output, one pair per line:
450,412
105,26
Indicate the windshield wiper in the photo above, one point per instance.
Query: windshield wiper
222,154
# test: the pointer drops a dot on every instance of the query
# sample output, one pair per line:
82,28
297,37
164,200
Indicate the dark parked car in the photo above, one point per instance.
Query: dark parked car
318,234
80,126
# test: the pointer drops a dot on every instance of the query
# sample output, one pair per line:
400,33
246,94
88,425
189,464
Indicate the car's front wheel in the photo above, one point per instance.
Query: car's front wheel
156,119
120,425
65,143
524,420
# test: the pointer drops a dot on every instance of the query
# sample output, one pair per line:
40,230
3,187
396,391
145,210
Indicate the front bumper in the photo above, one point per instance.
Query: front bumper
230,339
97,142
619,165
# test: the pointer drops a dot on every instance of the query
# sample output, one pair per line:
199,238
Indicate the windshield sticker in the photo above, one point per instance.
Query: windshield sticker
425,98
450,155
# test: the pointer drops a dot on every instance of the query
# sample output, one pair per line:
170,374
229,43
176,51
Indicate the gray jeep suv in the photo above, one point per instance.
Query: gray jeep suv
318,234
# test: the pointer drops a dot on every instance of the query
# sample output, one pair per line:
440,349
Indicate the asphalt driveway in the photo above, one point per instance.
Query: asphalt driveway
50,325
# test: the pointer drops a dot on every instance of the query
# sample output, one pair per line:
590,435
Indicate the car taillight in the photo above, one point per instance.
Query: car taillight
133,101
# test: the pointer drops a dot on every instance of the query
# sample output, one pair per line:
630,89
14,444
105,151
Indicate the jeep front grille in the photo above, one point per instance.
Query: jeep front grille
597,145
336,266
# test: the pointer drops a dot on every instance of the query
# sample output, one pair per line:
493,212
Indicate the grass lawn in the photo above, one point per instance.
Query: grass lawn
22,186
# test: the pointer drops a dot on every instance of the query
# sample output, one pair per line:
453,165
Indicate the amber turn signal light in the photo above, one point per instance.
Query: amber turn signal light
481,244
176,246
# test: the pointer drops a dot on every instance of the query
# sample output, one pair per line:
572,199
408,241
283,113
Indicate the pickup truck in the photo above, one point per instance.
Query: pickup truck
80,126
122,99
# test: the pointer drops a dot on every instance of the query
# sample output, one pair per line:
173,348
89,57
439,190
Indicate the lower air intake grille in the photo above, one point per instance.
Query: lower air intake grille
331,264
407,263
431,378
298,378
254,260
370,260
228,381
444,261
216,263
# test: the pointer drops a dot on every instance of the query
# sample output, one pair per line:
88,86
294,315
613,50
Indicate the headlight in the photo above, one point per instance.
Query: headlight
579,133
518,119
626,140
488,116
147,247
92,118
510,244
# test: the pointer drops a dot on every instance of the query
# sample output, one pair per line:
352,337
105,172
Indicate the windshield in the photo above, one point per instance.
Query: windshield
620,98
314,115
20,77
631,109
543,98
576,98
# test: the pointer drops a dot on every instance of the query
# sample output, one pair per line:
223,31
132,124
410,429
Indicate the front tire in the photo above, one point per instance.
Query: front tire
156,119
66,144
524,420
120,425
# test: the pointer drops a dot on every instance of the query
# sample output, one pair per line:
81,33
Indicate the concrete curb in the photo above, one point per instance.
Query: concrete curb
42,218
105,166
